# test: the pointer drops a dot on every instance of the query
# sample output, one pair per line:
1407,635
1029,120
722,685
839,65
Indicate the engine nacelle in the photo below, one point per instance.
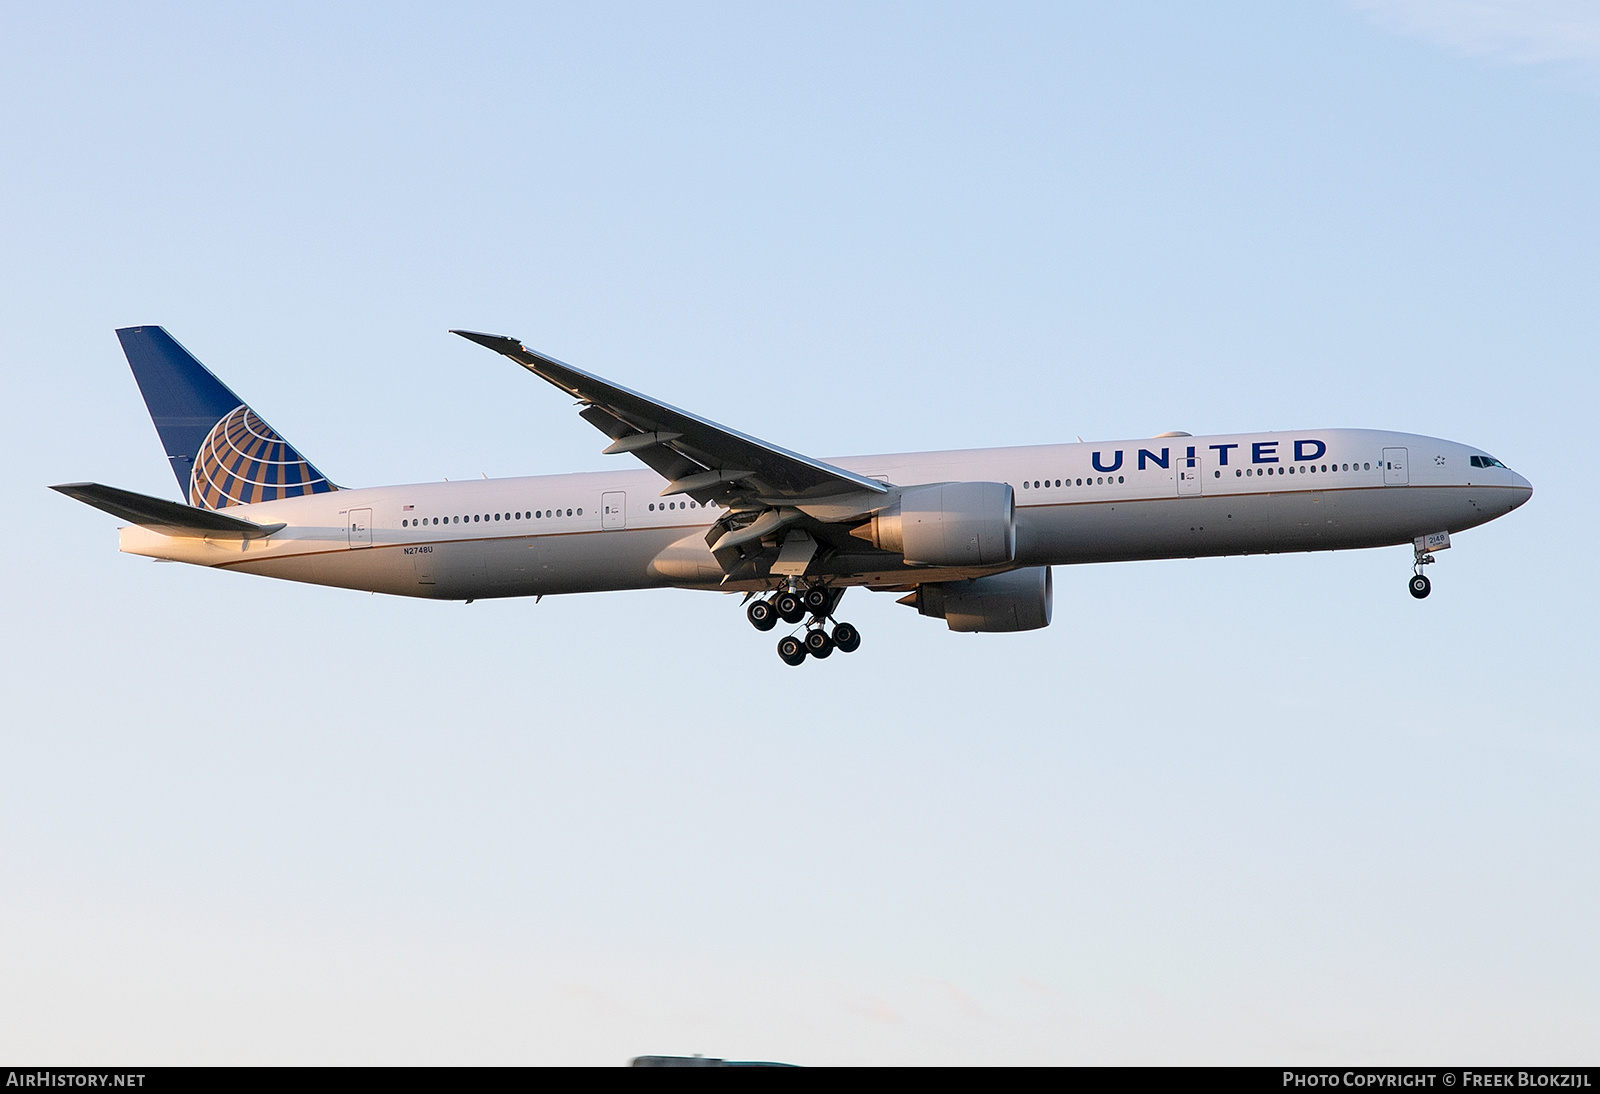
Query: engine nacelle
948,524
1015,601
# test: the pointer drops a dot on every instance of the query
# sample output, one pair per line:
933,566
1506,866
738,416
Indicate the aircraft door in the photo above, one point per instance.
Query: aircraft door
360,527
614,510
1394,467
1189,482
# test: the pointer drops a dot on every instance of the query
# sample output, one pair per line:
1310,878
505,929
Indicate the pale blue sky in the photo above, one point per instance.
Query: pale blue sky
1260,810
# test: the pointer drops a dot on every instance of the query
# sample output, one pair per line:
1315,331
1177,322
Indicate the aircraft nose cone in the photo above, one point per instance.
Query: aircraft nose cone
1521,492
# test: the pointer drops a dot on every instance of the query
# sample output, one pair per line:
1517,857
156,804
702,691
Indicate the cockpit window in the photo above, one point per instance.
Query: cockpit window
1487,461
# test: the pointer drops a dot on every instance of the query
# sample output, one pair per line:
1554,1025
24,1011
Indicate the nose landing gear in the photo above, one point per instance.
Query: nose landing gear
1423,550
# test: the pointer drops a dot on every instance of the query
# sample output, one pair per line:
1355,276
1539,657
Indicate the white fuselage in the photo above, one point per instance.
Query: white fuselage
1310,490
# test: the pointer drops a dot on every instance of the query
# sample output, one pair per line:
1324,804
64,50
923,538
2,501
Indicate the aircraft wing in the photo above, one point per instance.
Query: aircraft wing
697,457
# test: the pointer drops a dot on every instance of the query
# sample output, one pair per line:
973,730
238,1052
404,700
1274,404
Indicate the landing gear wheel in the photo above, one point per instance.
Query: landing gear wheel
1420,586
792,650
790,608
816,600
818,644
762,615
847,638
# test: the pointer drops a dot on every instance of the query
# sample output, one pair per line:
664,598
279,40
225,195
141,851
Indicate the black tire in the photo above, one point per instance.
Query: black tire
790,609
762,615
847,638
792,650
818,644
1420,586
816,600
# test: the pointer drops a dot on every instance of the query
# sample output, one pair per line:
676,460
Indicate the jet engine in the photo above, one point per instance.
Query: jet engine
1014,601
948,524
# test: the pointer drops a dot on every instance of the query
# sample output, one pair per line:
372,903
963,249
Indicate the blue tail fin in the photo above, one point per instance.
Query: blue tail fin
220,449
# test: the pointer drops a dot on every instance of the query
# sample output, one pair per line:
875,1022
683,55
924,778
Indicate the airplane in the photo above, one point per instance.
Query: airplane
965,536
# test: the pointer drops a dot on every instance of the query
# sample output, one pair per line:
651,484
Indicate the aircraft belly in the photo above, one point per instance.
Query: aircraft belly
459,569
1190,527
472,569
576,563
370,569
1151,528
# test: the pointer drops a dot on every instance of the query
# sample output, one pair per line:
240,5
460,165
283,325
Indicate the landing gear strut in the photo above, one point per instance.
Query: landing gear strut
791,605
1419,584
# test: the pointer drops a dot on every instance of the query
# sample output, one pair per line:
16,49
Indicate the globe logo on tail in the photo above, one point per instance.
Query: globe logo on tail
243,460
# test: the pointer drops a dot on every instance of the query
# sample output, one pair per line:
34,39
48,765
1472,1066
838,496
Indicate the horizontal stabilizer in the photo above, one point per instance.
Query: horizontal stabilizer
170,518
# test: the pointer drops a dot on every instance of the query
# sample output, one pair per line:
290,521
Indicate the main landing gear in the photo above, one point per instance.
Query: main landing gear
792,605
